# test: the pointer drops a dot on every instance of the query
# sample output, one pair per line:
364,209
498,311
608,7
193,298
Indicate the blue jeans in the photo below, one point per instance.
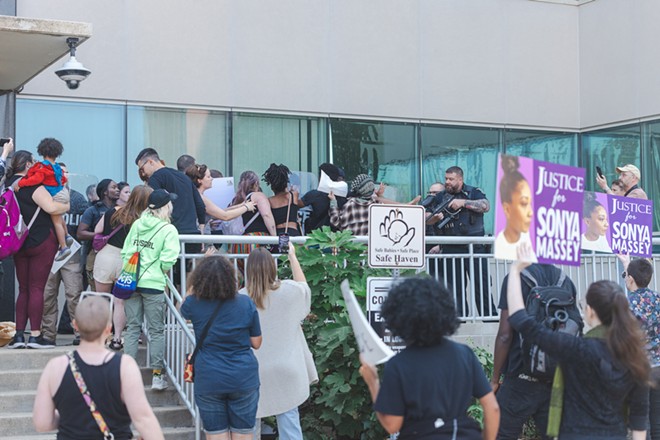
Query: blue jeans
520,399
288,425
222,412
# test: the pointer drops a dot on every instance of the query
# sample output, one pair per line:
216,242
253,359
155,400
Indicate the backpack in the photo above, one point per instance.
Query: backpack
13,230
235,226
555,308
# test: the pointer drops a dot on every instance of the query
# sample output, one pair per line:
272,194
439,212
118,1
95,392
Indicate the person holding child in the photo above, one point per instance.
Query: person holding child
49,174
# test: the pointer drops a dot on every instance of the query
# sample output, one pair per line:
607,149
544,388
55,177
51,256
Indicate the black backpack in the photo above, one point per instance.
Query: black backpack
554,307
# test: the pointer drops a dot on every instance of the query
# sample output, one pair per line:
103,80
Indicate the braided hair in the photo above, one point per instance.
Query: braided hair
277,177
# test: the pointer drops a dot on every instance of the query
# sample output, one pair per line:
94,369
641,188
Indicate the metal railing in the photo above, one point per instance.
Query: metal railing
478,288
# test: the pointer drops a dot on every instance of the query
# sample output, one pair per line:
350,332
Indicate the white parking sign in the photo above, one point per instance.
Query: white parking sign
396,236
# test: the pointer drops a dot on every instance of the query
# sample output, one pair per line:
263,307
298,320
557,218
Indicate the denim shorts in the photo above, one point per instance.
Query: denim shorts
222,412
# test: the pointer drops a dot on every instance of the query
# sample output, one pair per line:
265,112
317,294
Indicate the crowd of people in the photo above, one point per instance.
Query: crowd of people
253,360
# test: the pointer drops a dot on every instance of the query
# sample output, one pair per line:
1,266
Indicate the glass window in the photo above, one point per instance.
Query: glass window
651,168
300,143
173,132
387,151
546,146
608,149
475,150
92,135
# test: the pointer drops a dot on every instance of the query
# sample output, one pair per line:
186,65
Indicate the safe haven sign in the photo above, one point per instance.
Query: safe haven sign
396,236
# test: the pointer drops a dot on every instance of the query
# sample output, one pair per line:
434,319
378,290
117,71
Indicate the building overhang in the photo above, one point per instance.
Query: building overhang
28,46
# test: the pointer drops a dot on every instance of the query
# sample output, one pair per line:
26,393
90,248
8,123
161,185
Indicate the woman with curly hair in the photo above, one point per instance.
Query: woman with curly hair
108,263
226,369
284,203
601,385
259,224
428,387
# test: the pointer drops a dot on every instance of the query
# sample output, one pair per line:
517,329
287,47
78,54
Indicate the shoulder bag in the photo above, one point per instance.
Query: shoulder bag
101,240
188,368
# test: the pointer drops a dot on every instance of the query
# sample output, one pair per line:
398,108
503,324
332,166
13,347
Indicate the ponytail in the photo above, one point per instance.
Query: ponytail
625,339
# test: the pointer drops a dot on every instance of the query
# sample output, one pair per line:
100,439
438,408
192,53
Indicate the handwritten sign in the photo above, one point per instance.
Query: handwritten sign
369,343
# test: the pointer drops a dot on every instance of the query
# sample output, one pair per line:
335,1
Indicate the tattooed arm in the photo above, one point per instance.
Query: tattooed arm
480,205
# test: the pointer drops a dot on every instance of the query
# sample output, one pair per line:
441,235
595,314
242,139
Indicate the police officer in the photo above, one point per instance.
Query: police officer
468,204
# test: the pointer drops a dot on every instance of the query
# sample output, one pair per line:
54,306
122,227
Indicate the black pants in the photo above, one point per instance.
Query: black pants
654,406
191,248
520,399
457,272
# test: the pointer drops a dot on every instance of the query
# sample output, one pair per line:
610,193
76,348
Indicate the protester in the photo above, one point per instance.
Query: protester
645,305
318,201
35,258
516,199
184,162
354,215
157,241
124,193
520,395
629,176
617,188
7,149
258,224
49,174
226,369
108,193
601,374
469,204
284,203
108,264
286,366
428,387
113,382
70,274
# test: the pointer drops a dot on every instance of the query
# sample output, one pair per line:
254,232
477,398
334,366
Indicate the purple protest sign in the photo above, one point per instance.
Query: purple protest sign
514,214
558,197
595,223
539,203
631,225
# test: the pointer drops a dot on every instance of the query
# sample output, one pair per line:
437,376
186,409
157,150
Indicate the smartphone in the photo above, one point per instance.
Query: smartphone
284,243
3,141
599,171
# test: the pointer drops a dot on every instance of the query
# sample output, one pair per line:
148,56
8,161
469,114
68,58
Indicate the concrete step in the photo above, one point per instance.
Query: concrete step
169,433
18,359
20,423
19,401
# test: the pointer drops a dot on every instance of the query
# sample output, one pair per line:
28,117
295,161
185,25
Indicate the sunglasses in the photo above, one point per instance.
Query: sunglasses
107,296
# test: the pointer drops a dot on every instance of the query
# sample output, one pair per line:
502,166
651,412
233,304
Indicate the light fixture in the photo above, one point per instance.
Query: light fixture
72,72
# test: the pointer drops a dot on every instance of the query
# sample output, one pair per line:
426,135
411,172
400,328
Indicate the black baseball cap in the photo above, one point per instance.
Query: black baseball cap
160,198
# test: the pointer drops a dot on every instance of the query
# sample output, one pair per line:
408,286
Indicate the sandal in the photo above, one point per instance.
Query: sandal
115,345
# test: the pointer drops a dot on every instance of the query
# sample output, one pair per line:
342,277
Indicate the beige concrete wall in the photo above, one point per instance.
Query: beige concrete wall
489,61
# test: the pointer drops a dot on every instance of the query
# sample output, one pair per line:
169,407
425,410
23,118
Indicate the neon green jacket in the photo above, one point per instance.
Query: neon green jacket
158,244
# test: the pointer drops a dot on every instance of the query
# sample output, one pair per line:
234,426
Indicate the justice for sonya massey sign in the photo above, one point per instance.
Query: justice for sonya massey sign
631,225
540,203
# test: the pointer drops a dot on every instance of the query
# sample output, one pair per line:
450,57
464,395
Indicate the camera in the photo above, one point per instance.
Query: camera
283,243
73,72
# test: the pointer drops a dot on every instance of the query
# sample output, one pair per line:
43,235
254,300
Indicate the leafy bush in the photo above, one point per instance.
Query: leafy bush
340,405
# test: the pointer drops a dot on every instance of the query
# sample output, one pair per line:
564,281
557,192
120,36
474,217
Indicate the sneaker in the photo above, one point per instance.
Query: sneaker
18,341
69,240
115,345
158,382
40,342
62,254
76,340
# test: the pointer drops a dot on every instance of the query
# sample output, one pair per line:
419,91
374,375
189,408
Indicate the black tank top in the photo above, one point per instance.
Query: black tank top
42,225
104,384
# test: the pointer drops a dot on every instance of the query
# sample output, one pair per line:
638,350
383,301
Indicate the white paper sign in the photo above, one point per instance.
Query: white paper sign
57,265
396,236
372,348
326,184
222,192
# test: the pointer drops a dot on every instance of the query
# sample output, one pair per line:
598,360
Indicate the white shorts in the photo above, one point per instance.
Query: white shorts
108,264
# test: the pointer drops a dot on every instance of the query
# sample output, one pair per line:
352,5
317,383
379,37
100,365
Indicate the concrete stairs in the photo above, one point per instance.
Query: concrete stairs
19,375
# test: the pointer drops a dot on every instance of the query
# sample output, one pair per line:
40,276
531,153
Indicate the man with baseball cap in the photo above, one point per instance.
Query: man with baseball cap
629,176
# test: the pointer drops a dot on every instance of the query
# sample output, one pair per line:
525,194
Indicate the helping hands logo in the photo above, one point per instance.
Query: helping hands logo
395,229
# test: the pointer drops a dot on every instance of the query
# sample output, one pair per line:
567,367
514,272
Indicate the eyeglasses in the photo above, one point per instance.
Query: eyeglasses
108,296
141,167
432,193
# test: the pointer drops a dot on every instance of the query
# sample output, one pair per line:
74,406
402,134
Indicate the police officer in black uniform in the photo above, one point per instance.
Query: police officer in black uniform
468,204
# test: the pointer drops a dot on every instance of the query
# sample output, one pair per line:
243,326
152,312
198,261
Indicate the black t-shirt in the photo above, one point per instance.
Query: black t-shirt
320,204
427,383
545,275
189,210
42,225
117,240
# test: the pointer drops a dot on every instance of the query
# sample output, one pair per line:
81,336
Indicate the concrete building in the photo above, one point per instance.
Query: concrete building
401,90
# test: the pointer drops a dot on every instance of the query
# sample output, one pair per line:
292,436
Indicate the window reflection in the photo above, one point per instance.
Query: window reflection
608,149
546,146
